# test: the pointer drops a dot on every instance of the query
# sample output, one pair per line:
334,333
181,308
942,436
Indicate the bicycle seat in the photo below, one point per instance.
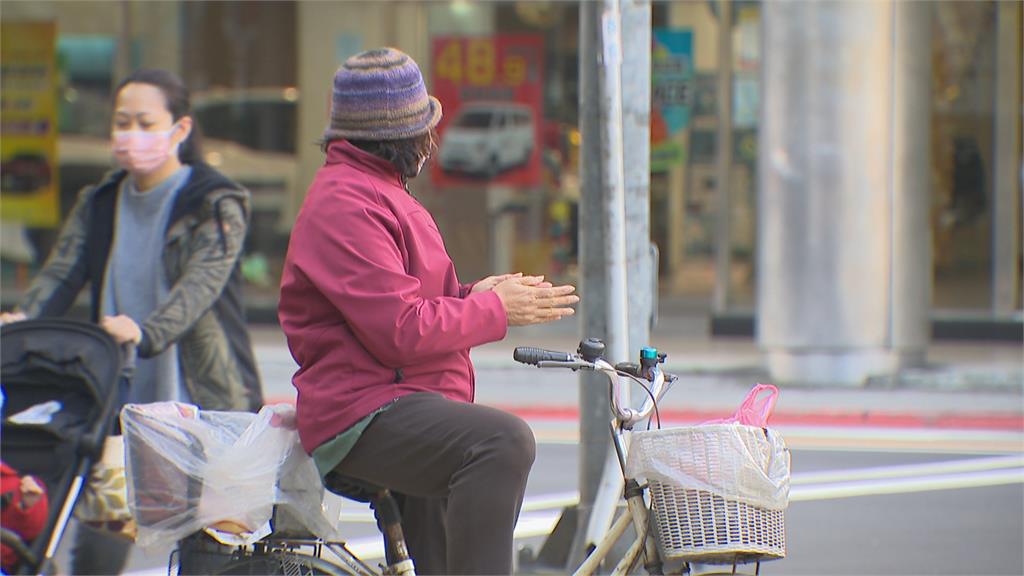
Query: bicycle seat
351,488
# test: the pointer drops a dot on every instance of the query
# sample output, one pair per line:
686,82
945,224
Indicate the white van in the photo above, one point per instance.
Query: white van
487,138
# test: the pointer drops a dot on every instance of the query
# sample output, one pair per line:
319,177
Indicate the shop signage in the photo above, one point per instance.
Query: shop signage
28,108
671,94
491,89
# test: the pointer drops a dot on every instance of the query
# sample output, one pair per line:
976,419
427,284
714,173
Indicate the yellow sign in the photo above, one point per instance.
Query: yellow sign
29,191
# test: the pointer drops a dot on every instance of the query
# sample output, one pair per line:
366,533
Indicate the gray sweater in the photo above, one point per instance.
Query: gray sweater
135,282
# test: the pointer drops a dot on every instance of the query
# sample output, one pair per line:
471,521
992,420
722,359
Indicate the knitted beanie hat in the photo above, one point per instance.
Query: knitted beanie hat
379,95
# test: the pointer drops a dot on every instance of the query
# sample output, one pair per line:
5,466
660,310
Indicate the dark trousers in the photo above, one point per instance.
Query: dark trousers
459,471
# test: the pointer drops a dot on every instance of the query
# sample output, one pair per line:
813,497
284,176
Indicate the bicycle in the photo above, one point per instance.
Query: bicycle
652,508
676,516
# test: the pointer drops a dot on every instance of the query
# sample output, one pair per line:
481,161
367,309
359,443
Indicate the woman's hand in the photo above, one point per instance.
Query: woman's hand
122,328
9,317
531,300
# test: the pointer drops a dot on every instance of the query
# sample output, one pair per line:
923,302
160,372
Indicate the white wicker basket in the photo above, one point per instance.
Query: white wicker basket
718,492
698,526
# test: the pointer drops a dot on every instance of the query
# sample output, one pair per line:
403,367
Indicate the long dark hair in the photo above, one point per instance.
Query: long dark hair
405,154
178,104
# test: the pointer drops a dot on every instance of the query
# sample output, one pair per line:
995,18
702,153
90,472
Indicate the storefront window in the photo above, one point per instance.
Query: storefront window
684,163
963,81
244,98
506,76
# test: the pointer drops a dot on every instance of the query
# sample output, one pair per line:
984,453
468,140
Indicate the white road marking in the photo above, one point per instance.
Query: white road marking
906,485
540,513
910,470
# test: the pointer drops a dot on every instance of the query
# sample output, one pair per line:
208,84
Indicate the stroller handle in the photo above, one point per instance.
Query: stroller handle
129,354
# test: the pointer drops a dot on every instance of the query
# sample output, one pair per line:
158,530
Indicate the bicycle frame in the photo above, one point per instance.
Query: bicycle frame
624,418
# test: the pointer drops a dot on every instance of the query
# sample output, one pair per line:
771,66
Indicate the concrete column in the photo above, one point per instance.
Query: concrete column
1006,191
844,251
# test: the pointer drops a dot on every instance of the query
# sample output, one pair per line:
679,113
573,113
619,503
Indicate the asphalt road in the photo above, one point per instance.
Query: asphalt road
857,511
854,510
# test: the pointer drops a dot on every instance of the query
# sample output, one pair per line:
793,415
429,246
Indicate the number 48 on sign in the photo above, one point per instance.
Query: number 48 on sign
486,61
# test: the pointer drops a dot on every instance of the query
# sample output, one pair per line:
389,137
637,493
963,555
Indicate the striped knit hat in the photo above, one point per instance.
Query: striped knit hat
379,95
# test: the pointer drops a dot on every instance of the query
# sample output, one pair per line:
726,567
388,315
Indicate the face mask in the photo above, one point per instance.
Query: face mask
142,152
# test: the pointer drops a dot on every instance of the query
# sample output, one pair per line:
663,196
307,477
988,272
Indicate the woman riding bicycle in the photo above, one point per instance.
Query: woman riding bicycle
381,330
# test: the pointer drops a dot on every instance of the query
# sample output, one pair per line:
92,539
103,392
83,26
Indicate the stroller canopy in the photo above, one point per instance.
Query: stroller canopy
62,352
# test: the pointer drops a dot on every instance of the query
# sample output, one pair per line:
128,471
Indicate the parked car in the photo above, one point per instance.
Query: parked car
487,138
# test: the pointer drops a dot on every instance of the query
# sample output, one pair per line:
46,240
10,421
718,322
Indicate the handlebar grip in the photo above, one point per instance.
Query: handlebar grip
528,355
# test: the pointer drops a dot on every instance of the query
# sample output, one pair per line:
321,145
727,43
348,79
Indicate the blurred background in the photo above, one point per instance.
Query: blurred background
902,120
260,76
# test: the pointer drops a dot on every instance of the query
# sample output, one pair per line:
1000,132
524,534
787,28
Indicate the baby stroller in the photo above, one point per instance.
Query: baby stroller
63,382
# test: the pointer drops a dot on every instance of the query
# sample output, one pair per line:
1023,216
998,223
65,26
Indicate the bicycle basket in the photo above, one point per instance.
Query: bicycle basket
718,491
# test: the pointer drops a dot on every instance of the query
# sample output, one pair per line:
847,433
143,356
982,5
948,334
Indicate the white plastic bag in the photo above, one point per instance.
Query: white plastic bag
189,469
734,461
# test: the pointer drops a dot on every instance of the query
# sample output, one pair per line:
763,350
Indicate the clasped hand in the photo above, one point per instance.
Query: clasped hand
530,299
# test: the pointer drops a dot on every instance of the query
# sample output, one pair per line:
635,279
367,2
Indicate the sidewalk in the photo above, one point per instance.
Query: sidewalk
971,386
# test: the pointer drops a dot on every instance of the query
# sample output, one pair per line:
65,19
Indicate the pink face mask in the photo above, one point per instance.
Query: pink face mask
142,152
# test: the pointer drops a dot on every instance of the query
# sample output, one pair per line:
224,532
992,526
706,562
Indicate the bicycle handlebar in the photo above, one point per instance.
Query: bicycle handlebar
660,381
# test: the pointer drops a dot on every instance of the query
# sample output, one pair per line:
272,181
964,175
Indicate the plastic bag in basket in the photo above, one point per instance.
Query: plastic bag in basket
734,461
755,409
189,469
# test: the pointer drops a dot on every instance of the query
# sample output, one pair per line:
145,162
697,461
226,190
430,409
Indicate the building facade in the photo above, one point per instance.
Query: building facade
260,73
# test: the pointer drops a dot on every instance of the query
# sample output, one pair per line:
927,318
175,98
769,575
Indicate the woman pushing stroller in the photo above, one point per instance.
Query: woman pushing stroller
158,240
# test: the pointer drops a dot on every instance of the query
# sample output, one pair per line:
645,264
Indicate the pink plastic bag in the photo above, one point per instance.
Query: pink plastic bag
755,409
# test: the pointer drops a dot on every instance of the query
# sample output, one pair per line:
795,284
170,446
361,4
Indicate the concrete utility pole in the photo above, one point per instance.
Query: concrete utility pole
615,250
594,441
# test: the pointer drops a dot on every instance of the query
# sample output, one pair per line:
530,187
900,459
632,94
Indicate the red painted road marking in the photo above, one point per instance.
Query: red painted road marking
838,418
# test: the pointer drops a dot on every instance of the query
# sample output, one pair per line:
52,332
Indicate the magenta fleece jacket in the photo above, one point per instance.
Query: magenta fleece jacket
370,302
